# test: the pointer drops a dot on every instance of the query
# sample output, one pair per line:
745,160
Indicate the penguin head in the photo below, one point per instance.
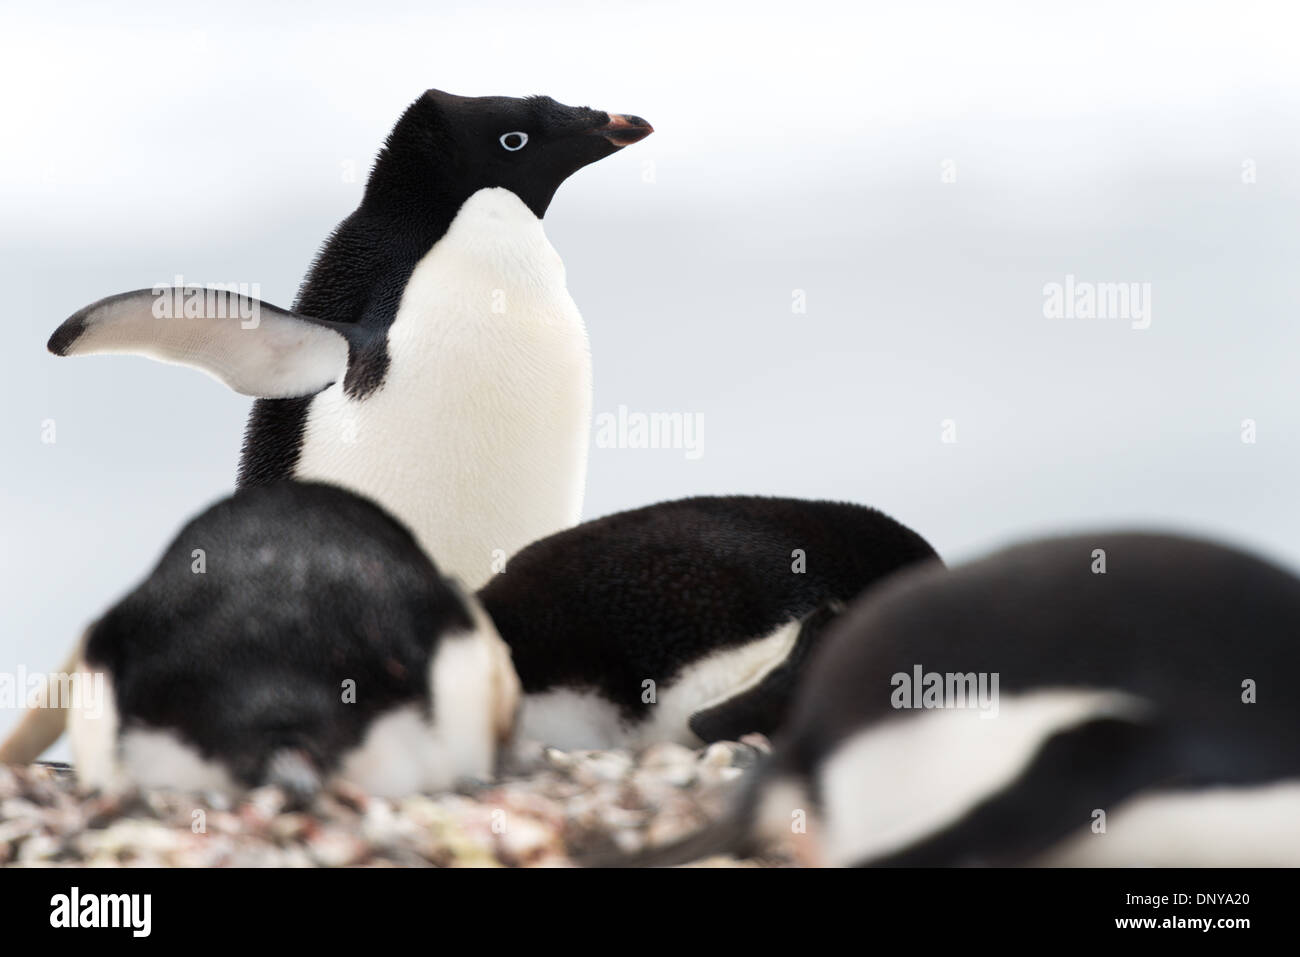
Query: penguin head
447,147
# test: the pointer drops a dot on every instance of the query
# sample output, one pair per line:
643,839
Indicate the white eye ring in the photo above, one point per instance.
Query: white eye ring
523,141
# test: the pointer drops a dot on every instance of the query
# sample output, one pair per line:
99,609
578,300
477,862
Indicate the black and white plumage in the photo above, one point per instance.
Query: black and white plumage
290,634
434,360
1153,700
684,620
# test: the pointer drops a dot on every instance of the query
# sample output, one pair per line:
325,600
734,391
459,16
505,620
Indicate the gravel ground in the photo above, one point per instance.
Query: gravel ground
558,806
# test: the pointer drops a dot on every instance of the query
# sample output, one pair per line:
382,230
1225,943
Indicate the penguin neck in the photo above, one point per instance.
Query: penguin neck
495,230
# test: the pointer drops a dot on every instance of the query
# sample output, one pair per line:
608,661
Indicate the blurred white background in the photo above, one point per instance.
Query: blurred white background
798,147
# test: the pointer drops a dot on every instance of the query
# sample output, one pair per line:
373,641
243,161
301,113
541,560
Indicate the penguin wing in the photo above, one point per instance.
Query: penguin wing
253,347
764,707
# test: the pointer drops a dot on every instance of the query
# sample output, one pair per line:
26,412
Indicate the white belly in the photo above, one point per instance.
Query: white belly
477,439
572,719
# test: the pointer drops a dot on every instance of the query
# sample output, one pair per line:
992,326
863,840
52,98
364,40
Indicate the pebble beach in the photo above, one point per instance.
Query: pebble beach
553,810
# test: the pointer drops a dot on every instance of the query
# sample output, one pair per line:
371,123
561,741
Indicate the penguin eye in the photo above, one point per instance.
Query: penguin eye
514,141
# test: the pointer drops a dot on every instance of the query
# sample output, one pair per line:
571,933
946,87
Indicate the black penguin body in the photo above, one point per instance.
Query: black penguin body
1141,714
715,600
281,628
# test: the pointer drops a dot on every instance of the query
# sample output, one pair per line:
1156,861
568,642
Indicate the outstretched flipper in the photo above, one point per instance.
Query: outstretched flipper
763,708
253,347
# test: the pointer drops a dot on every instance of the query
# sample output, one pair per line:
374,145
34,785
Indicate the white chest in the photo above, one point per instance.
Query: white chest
478,437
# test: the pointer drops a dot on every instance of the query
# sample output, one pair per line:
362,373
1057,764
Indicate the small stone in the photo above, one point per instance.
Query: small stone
217,800
38,848
670,764
523,839
666,754
592,767
290,827
720,754
12,832
99,811
350,795
261,805
666,828
18,807
336,849
558,759
162,804
629,842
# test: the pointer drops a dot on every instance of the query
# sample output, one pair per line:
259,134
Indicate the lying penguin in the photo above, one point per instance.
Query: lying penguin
1142,712
292,634
434,360
685,621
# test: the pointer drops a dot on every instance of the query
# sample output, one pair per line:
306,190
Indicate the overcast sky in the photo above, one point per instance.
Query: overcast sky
919,172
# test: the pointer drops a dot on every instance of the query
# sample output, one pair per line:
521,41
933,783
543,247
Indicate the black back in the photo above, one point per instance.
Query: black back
306,586
640,594
442,150
1178,622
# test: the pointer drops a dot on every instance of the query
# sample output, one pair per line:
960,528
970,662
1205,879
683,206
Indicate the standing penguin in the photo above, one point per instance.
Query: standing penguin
683,621
291,634
1107,699
434,360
